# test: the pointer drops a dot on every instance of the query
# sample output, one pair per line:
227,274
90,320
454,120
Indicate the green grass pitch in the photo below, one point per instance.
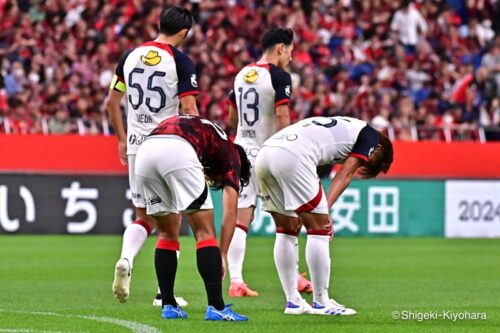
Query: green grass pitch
63,284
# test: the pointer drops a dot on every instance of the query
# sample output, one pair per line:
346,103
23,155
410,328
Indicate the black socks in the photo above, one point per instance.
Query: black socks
166,267
210,267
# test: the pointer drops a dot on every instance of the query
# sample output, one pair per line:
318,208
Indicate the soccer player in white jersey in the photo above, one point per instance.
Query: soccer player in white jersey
259,107
156,78
290,188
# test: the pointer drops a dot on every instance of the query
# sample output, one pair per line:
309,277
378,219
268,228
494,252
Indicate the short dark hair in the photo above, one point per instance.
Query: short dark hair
380,160
274,36
245,166
174,19
244,170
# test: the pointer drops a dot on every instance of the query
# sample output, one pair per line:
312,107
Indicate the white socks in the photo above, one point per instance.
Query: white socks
285,258
318,261
134,238
297,259
236,255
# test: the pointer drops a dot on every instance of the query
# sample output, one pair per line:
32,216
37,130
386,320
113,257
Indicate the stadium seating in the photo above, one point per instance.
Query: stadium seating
57,59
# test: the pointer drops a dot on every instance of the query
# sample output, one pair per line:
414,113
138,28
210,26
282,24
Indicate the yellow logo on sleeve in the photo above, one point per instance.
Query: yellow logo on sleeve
151,59
251,76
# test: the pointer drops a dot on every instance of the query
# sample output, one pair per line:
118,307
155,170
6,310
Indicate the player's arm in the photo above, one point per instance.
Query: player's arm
282,116
230,209
233,117
187,85
229,215
365,144
233,110
116,120
282,84
116,91
342,179
188,105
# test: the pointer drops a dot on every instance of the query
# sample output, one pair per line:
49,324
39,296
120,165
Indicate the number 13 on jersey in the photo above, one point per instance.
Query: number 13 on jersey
248,112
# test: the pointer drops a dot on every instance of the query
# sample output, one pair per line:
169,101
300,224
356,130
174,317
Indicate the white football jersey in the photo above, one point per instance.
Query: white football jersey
327,140
257,91
154,76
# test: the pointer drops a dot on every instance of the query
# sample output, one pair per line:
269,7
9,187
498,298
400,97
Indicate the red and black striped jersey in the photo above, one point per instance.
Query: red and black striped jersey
218,155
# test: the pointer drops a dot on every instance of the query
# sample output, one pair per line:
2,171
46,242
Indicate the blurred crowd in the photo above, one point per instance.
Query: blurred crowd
421,70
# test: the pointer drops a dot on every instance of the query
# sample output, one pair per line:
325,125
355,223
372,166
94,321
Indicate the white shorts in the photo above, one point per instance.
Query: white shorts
137,194
248,194
171,176
288,185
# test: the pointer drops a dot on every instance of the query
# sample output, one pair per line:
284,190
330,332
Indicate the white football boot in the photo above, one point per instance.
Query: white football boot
121,284
295,309
332,308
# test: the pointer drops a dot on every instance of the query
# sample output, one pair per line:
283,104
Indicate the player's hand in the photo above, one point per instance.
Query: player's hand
223,267
330,226
122,151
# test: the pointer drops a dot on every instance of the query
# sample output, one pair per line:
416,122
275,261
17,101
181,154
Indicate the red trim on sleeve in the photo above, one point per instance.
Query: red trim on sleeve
187,93
282,101
162,46
212,242
144,225
287,232
309,206
231,102
168,245
361,157
120,79
242,227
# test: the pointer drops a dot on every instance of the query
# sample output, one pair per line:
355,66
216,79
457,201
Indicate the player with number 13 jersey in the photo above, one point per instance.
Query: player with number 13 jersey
259,108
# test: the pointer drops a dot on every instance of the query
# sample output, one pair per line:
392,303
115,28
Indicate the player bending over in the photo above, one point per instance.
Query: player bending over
155,76
290,188
172,186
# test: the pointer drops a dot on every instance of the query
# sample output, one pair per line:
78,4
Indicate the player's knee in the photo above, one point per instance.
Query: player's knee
168,236
202,234
315,221
151,222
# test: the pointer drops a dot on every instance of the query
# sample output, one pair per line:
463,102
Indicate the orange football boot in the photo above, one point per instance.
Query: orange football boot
303,284
240,289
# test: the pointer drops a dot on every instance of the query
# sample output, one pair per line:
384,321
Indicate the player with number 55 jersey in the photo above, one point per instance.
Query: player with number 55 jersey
155,78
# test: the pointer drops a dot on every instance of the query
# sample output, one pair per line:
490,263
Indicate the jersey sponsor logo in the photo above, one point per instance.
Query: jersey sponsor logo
194,82
251,152
251,76
287,137
151,59
136,139
153,201
288,90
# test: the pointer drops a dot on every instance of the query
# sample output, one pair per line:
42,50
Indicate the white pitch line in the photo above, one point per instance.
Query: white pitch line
132,325
20,330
